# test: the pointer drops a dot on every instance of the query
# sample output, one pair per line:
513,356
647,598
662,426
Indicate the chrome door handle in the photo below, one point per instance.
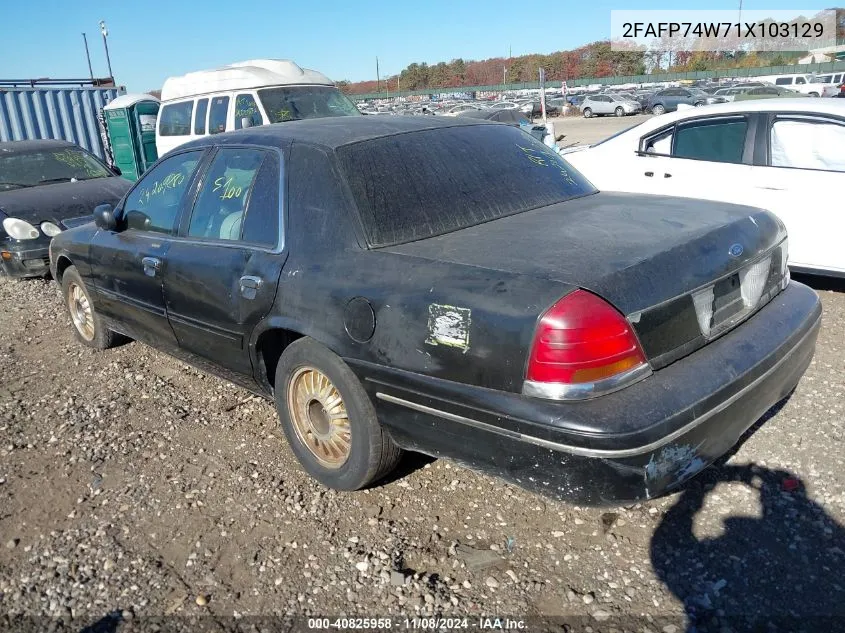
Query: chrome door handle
667,175
151,266
250,286
649,174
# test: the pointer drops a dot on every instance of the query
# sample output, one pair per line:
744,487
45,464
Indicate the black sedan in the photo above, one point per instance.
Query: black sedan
45,187
451,286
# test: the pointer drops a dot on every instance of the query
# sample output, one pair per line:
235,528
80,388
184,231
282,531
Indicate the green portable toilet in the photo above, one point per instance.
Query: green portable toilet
131,124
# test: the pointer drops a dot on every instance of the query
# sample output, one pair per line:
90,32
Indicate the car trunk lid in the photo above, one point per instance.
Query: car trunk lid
681,270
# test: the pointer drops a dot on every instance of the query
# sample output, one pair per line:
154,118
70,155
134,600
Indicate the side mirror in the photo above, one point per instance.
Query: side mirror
117,171
104,217
246,122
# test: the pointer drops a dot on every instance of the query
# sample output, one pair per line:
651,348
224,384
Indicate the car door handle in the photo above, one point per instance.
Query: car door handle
667,175
151,266
250,286
649,174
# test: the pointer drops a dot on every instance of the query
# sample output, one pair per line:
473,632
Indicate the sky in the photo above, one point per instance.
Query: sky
150,40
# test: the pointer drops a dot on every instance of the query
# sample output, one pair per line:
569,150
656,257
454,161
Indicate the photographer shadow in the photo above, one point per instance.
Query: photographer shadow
782,569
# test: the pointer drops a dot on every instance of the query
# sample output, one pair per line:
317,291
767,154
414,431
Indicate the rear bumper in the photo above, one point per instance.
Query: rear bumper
637,443
30,259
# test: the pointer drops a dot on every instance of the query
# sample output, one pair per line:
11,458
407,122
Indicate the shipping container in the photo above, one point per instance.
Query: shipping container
62,113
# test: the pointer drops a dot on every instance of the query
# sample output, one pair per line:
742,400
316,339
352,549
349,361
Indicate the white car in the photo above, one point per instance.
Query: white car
784,155
456,110
617,105
504,105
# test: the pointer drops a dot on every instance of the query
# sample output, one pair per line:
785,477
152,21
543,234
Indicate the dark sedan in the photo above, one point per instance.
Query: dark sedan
46,187
450,286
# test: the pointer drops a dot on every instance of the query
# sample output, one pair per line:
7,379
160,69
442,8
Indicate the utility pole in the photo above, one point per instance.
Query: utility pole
378,80
105,33
88,55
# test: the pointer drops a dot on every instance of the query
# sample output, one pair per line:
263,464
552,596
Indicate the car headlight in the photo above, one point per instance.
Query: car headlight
49,229
19,229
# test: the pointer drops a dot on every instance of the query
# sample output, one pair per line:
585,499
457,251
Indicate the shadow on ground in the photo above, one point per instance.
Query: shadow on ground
778,567
834,284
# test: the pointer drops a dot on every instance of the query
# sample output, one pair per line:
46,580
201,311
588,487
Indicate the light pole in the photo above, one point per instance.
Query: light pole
105,33
88,56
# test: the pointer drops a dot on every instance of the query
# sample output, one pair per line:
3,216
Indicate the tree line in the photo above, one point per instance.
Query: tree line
592,60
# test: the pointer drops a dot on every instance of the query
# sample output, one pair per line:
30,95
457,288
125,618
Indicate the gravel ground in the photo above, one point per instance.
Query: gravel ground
132,486
586,131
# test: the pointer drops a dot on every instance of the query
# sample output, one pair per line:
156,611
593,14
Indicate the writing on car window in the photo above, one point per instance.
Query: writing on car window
77,160
169,182
543,159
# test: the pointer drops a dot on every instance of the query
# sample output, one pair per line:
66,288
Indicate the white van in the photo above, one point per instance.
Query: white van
244,94
805,84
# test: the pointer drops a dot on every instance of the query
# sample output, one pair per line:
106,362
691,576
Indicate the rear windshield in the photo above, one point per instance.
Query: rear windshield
417,185
305,102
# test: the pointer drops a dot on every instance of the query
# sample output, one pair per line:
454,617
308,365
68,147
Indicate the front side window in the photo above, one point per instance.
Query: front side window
43,167
153,205
721,141
800,80
305,102
808,144
226,189
247,108
175,119
217,115
420,184
199,120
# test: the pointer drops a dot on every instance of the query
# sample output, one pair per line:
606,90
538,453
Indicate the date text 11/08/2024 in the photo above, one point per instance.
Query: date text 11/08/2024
418,623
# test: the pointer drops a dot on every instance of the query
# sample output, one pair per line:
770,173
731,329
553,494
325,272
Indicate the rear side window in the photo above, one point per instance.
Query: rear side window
783,81
219,210
721,142
175,119
808,144
199,120
217,116
421,184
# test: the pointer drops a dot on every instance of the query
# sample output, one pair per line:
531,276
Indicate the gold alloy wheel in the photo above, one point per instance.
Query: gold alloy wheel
319,416
80,312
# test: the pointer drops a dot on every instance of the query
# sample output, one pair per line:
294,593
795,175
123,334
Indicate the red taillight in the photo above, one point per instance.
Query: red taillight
582,339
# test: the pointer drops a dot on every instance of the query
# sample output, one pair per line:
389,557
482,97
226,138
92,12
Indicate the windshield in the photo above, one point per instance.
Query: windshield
41,167
305,102
420,184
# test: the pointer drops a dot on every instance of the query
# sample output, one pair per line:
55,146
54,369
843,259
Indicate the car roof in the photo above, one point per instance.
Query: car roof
785,104
16,147
333,132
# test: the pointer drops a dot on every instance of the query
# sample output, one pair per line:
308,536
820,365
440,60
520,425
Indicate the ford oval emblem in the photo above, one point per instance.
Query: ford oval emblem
735,250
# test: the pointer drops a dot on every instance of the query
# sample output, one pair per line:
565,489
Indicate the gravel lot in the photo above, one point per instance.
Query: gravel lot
132,486
585,131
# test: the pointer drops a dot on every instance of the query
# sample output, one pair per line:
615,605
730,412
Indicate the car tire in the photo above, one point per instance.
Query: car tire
88,327
698,104
587,113
619,111
341,445
814,94
658,109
